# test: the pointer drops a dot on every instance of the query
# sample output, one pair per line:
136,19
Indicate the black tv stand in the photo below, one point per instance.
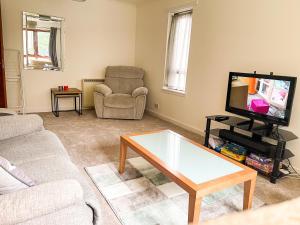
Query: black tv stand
256,138
246,122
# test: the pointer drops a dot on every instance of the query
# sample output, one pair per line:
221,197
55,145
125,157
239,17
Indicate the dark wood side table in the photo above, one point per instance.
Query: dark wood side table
70,93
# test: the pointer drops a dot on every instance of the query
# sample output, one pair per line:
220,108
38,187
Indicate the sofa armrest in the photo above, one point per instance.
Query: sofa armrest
139,91
277,214
103,89
12,126
39,200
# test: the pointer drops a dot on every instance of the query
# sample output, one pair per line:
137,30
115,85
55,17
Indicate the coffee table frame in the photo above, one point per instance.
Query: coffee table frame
196,191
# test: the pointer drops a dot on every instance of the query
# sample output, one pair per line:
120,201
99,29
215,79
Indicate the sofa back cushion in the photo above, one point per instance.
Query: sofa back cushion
124,79
12,178
18,125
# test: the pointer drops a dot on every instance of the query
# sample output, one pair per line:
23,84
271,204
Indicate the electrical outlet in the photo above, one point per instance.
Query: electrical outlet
156,105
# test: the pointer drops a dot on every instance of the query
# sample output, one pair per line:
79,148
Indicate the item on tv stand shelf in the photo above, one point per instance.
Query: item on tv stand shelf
232,155
234,151
259,158
216,143
255,162
245,141
221,118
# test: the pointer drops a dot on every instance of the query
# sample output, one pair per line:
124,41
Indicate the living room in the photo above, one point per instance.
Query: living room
99,40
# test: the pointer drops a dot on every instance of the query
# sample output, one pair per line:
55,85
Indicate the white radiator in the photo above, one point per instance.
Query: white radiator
88,87
14,88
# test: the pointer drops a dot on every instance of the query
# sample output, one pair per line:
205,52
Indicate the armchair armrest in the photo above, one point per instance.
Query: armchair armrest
12,126
139,91
103,89
39,200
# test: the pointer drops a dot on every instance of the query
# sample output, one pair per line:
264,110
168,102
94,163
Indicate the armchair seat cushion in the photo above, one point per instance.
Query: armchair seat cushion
122,101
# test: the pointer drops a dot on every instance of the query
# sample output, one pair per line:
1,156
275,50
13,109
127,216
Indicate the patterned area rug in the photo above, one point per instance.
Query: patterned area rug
144,196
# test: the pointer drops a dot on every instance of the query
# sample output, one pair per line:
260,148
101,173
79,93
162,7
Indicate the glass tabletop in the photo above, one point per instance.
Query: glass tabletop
182,156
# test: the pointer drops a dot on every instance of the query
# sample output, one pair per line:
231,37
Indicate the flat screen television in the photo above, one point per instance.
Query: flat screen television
267,98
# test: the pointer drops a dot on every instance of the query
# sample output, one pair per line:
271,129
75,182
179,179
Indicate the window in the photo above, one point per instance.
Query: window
178,51
37,43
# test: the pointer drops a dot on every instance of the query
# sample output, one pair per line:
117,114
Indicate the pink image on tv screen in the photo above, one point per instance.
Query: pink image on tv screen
260,106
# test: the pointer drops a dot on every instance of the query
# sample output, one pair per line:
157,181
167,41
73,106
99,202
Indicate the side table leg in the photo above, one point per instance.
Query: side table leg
56,107
81,104
249,187
52,107
123,153
75,104
194,209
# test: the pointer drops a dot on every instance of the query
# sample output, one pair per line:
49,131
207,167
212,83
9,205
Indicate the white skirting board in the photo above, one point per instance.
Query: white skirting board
176,122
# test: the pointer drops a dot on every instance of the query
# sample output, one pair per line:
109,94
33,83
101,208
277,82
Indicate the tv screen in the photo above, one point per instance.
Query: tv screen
263,97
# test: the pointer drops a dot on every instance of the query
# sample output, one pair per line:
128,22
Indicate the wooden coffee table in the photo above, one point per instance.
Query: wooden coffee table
198,170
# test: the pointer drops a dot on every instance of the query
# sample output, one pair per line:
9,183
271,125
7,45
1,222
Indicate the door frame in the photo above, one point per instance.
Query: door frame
3,96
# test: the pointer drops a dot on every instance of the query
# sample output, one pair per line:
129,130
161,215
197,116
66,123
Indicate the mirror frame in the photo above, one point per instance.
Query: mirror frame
45,17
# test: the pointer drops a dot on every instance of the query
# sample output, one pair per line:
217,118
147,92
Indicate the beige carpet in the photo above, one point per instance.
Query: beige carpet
91,141
144,196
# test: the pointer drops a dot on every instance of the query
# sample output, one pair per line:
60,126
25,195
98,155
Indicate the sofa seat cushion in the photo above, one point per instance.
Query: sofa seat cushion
76,214
32,147
122,101
58,168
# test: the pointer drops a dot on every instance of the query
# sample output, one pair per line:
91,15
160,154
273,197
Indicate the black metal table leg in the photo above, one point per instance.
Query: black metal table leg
277,160
56,106
207,132
52,102
75,103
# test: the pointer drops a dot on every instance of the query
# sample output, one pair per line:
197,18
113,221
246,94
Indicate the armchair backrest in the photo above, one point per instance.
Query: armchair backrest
124,79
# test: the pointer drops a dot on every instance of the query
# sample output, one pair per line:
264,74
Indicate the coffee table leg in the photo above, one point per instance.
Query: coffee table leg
123,153
249,187
194,208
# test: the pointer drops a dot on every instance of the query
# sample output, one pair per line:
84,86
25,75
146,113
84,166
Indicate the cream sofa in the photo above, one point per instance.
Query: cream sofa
123,95
61,195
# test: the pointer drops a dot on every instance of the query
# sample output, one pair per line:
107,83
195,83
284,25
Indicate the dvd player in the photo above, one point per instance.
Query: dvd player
247,141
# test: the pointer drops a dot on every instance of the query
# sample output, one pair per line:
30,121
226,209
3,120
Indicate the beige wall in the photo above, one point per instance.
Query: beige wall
231,35
97,33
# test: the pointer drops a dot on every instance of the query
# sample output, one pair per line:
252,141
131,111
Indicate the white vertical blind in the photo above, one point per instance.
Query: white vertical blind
178,51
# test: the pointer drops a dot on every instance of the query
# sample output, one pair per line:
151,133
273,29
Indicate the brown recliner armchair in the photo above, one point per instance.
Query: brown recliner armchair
123,95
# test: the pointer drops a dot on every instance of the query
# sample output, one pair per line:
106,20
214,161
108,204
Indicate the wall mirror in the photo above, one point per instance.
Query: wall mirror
42,42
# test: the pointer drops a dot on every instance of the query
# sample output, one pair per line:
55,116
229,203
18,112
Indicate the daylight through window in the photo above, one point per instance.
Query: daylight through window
178,50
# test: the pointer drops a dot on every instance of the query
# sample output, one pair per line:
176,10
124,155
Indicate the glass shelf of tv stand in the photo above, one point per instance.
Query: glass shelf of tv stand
234,121
287,153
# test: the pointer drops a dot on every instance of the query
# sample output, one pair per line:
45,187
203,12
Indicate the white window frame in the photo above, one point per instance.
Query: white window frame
165,87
